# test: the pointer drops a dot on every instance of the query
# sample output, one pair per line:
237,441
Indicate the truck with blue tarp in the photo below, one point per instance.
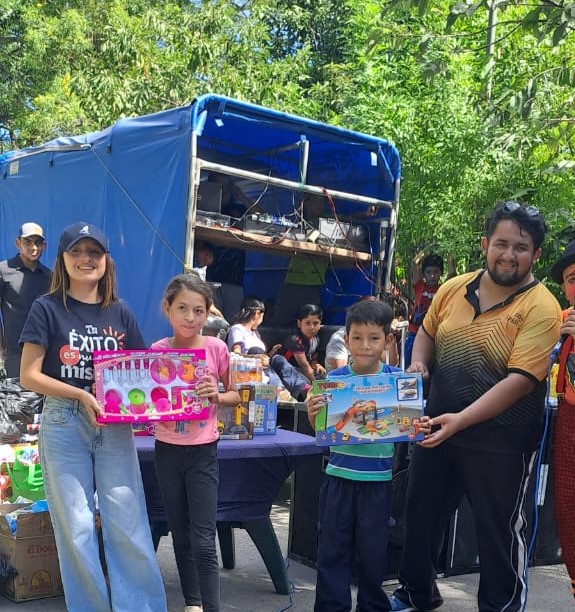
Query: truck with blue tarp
141,180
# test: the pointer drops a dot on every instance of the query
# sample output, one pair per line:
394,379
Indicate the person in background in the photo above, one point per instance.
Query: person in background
425,286
22,279
489,334
563,273
296,362
186,451
337,355
305,275
228,264
244,338
82,313
355,496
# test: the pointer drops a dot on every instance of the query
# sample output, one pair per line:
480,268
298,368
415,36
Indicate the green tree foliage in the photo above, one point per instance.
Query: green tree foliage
476,118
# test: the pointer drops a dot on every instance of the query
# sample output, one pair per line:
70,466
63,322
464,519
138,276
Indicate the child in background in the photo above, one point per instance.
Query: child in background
296,362
355,497
80,313
186,451
425,287
244,338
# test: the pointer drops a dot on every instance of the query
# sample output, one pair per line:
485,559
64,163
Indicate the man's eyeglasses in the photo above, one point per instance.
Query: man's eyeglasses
511,207
30,242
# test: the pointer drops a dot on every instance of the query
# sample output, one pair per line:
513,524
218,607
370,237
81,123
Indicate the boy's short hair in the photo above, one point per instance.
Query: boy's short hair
364,312
309,310
432,261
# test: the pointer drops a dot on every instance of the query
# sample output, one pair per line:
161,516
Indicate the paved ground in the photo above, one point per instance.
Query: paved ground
248,587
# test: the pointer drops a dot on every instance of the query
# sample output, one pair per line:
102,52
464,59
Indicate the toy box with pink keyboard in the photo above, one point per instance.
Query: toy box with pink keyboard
150,385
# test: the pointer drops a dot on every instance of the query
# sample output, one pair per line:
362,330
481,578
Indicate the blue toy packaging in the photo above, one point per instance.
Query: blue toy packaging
367,409
265,405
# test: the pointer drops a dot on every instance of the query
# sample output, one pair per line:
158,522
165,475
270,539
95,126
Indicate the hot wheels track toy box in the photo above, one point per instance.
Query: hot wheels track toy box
150,385
368,409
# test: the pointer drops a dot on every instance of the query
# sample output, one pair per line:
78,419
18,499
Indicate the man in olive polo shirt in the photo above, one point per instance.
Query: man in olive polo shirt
22,279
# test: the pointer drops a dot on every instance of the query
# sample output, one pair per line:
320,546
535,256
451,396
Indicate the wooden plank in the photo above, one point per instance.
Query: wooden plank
277,245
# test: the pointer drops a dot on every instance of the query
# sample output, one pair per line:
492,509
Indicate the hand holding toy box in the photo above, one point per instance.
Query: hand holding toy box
367,409
150,385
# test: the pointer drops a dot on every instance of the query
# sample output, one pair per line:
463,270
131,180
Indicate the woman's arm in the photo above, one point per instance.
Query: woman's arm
32,377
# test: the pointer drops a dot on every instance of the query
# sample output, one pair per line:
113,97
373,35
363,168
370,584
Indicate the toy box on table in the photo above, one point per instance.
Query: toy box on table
31,551
265,399
150,385
367,409
256,413
237,422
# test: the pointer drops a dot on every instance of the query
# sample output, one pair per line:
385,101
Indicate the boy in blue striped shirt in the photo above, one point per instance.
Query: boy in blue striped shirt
355,497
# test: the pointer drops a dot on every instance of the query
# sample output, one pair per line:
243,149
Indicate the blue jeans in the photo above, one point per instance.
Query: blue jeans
78,459
292,379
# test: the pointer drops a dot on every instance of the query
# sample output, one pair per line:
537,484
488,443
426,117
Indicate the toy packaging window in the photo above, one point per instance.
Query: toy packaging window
150,385
369,409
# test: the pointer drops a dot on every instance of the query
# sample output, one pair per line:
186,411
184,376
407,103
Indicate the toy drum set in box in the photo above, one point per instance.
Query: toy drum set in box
150,385
367,409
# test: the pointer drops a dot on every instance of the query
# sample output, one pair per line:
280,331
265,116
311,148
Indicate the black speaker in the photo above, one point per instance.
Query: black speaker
306,483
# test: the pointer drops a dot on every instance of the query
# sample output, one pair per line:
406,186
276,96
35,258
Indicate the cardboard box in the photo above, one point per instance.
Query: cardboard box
237,422
265,401
32,552
368,409
150,385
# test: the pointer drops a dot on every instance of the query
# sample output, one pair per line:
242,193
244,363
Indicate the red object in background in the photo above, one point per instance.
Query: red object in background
5,488
564,464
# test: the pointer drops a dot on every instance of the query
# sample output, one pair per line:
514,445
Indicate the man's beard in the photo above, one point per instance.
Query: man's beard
509,280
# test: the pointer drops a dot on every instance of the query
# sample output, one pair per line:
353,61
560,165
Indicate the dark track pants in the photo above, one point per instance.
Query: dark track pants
495,484
353,523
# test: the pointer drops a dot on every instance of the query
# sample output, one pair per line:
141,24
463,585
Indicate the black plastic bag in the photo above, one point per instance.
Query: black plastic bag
18,408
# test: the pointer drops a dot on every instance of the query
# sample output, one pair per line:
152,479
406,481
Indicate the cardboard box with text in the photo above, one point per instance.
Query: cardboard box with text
32,553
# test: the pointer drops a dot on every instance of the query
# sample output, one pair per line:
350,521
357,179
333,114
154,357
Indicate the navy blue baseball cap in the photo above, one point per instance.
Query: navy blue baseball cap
77,231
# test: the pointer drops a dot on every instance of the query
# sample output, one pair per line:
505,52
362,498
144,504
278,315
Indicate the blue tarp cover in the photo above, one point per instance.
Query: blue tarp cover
132,179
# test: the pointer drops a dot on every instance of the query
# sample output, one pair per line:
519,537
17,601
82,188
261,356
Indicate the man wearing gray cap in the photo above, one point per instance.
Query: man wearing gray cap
22,279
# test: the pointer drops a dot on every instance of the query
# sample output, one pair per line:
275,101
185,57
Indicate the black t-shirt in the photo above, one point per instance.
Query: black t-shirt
19,287
298,344
71,335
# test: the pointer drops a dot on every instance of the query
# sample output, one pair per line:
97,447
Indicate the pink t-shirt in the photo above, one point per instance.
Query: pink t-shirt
197,432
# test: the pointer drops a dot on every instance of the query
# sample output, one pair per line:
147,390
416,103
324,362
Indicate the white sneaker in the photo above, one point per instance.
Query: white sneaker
193,609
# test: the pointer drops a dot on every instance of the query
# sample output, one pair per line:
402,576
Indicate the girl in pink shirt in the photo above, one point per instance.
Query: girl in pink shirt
186,451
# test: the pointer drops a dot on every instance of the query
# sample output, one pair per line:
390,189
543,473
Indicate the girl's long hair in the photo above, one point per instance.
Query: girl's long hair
60,283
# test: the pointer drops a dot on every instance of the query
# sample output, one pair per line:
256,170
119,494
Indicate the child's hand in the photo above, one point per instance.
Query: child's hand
314,403
319,370
264,359
274,349
208,388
